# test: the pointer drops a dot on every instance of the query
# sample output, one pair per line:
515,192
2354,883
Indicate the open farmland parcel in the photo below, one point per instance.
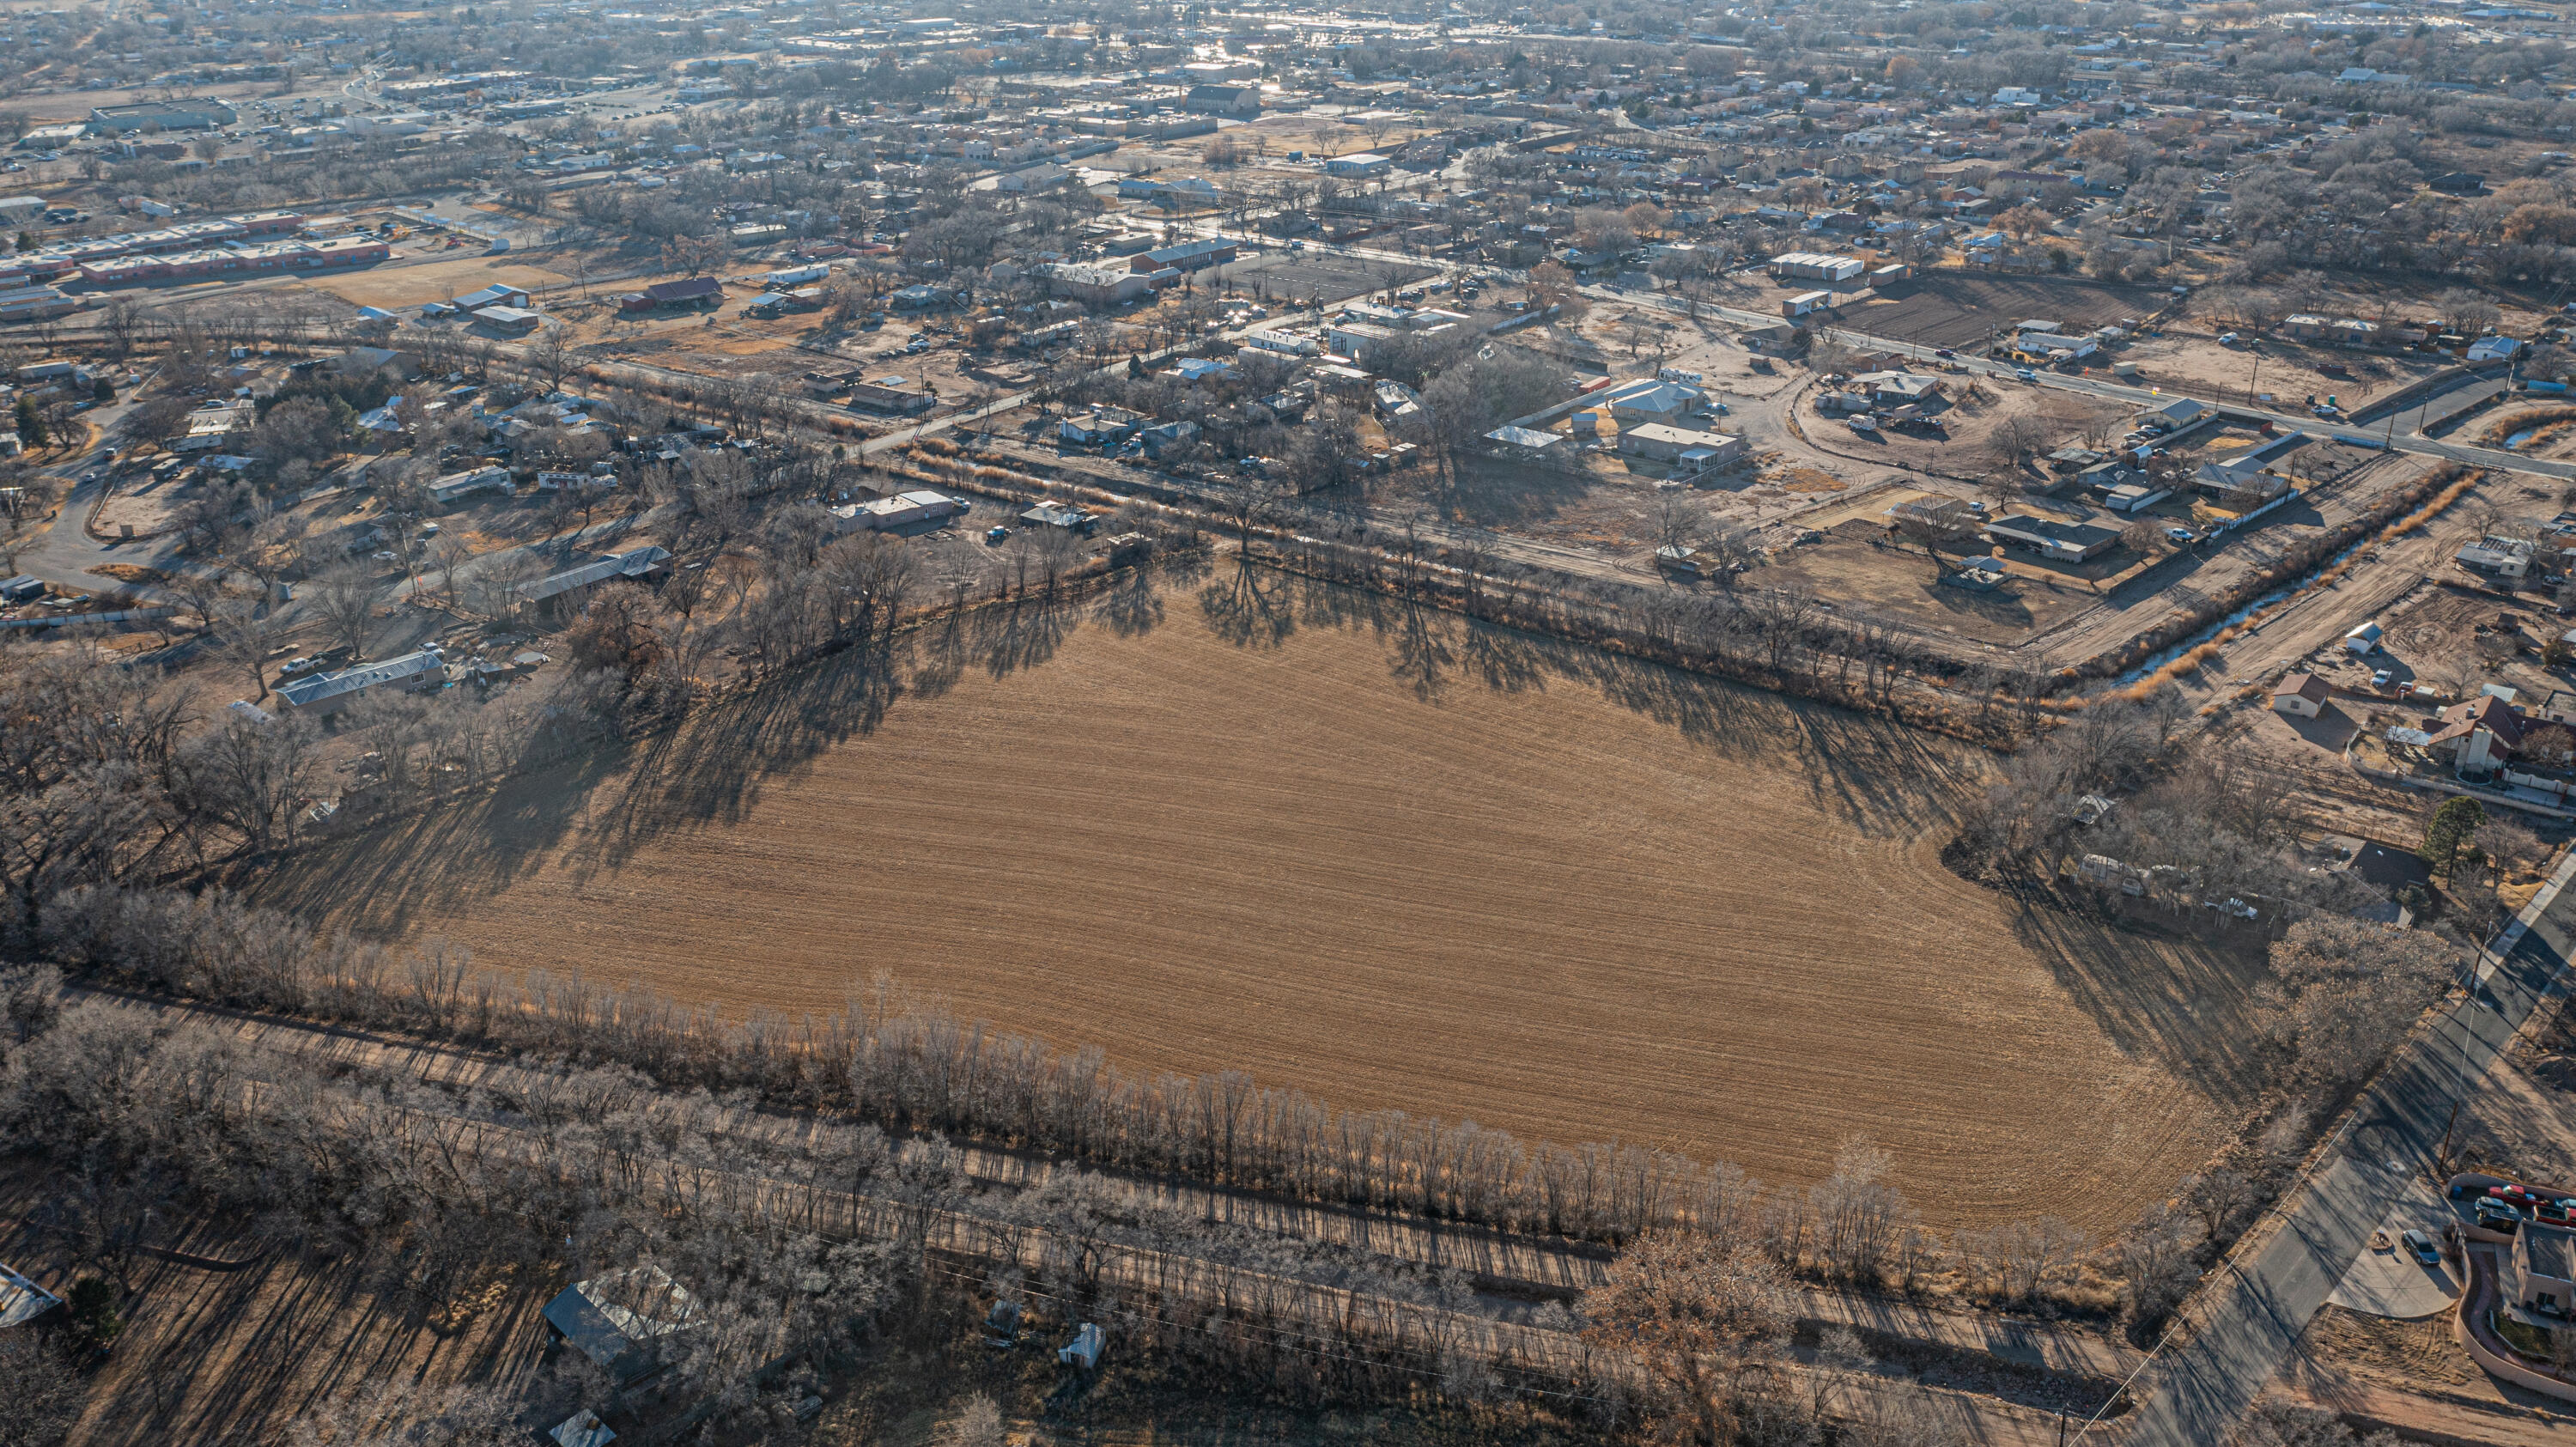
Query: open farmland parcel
1380,855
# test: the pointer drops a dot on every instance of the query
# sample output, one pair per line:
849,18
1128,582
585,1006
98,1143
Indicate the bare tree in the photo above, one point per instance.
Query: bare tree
344,598
245,635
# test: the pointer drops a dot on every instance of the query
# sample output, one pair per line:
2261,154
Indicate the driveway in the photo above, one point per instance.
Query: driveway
2393,1283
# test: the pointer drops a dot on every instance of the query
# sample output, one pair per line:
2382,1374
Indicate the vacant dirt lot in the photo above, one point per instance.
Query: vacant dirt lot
1954,309
1384,857
398,286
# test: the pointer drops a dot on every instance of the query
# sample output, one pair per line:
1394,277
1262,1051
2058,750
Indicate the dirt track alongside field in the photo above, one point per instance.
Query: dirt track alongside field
1384,857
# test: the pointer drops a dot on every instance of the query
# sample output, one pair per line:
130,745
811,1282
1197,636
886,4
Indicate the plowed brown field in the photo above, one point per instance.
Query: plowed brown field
1383,856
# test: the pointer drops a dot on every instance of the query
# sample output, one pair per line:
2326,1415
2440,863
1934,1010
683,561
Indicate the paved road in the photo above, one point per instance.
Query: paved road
2245,1325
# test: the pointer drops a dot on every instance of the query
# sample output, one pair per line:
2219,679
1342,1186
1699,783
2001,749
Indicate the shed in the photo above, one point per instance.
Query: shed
2302,694
1085,1350
2364,639
1983,575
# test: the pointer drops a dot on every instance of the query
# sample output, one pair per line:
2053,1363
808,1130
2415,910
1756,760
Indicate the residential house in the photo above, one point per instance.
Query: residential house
1897,389
2061,542
2480,734
370,361
620,1321
1166,435
879,397
2180,412
1044,176
1058,515
327,693
2544,1269
2496,557
456,485
902,510
215,424
1099,425
22,1301
1945,518
564,589
1652,400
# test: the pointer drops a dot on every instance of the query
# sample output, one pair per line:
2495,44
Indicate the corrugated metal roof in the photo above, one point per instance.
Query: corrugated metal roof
22,1300
305,692
616,565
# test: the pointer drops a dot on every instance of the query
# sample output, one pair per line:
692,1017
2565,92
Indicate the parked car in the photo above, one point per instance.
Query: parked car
996,535
2181,535
2026,374
2381,678
2421,1246
294,666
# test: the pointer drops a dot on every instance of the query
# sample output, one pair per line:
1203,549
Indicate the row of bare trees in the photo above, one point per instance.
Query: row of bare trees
797,1243
913,1069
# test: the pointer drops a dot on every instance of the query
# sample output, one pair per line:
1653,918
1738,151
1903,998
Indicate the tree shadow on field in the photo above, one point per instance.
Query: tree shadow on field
1133,606
1022,634
711,769
1867,773
1501,660
2161,992
1420,647
375,880
1248,607
594,814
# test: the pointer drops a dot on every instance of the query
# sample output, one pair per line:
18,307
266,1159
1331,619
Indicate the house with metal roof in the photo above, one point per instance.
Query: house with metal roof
21,1300
633,563
328,693
620,1320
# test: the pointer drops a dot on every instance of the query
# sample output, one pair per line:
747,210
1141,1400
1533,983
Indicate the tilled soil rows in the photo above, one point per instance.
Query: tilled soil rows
1379,855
